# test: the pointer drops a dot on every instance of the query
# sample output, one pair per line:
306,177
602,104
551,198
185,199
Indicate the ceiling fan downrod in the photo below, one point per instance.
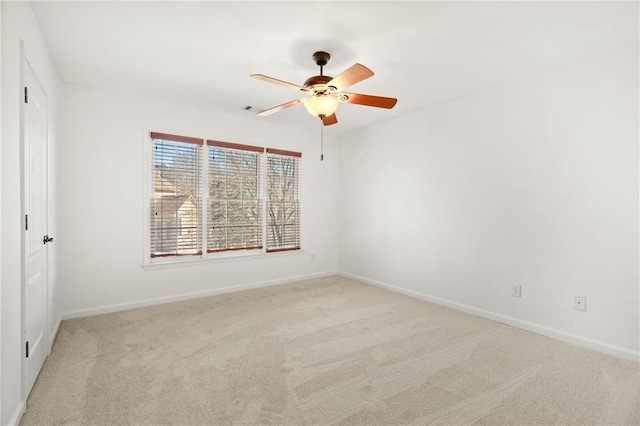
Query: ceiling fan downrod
321,59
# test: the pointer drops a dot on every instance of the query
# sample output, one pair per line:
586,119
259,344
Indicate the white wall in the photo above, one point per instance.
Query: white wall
532,183
1,60
18,23
101,175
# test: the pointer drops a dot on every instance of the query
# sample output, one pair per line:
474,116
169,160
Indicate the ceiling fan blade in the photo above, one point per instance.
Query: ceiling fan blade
332,119
279,82
280,107
352,75
369,100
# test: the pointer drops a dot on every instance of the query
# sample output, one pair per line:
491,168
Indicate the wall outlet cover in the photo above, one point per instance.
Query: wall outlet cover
516,290
580,303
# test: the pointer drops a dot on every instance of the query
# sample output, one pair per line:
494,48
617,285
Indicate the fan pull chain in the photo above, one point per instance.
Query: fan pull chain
321,140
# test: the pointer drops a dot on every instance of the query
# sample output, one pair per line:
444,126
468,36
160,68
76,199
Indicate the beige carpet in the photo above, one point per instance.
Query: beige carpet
325,351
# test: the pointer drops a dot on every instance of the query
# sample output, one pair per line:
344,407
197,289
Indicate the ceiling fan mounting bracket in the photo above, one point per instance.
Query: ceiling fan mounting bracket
321,58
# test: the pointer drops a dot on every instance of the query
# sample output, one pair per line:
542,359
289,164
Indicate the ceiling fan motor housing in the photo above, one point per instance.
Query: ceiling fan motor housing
318,84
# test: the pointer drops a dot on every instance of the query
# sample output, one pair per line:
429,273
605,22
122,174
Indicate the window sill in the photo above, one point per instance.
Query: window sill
219,258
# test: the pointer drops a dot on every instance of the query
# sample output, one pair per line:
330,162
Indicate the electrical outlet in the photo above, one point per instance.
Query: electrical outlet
516,290
312,257
580,303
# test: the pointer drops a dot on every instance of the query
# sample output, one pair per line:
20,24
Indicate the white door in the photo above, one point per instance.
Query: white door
35,144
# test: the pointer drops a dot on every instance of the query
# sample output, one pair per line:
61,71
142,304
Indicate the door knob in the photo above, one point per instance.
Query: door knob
47,239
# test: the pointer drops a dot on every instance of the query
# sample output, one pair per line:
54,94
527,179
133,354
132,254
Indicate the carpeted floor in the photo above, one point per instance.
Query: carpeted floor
324,351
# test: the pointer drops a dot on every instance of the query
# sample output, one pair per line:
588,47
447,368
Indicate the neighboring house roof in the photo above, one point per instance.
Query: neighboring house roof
162,186
166,202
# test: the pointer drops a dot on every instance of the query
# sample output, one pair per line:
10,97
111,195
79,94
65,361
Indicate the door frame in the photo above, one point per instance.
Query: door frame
24,63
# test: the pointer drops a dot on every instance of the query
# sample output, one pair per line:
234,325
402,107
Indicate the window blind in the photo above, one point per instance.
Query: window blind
234,202
175,195
283,200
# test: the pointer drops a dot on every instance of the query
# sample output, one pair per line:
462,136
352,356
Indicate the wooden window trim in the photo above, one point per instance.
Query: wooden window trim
282,249
237,146
176,138
283,152
234,249
198,253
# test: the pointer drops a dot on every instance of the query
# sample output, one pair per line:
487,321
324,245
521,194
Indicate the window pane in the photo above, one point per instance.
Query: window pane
234,212
234,236
218,211
250,187
217,181
251,212
253,235
217,238
290,213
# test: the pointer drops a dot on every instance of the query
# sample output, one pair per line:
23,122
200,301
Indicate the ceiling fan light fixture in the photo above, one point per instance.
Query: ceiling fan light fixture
321,106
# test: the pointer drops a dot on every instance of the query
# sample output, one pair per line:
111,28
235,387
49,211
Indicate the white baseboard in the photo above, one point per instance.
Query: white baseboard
186,296
17,415
54,334
596,345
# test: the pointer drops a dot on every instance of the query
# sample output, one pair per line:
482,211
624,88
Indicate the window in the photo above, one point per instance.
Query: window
209,197
234,197
175,196
283,200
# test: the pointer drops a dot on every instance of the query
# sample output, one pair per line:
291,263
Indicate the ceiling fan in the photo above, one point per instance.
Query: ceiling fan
324,93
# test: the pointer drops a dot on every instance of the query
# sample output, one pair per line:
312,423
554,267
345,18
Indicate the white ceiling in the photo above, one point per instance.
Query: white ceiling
423,53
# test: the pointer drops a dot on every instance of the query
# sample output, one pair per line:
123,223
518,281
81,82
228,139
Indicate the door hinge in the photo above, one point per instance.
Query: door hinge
26,222
26,95
27,349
